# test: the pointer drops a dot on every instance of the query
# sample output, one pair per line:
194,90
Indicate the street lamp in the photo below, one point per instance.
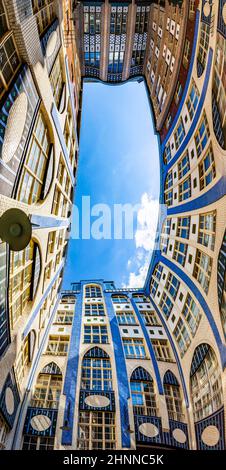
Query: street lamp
15,229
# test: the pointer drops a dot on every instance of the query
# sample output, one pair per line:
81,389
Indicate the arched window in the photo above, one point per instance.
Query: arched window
25,267
93,292
173,397
96,429
143,393
46,395
9,56
205,380
219,93
48,388
221,283
35,179
96,371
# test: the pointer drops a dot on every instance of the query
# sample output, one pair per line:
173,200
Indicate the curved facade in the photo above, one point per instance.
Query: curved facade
131,367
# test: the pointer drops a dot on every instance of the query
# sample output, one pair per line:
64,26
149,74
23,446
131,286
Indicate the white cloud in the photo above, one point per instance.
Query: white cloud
147,218
147,223
137,279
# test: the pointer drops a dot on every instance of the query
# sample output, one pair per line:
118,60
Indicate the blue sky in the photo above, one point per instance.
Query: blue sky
118,163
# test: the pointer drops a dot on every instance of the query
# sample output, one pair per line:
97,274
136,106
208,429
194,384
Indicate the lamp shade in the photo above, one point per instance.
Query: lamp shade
15,229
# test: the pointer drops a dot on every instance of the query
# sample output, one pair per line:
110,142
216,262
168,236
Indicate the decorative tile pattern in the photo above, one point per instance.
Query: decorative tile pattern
23,84
31,413
54,29
10,386
217,420
84,394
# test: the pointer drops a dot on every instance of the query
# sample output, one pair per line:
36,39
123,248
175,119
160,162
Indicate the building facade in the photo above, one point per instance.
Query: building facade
101,367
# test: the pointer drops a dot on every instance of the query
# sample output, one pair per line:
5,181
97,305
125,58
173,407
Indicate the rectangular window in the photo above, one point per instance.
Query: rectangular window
21,270
57,201
158,271
183,166
178,93
182,337
64,317
150,318
138,53
187,48
167,154
207,169
192,9
174,402
92,37
180,251
120,299
202,270
166,304
3,20
185,189
51,243
207,230
96,374
95,334
154,287
165,235
44,12
3,432
169,180
169,198
162,350
10,63
126,318
202,135
140,298
94,310
96,430
192,101
183,227
192,314
172,285
168,121
38,443
93,291
22,361
179,134
47,274
57,345
47,391
56,80
203,47
118,23
69,135
143,398
134,348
